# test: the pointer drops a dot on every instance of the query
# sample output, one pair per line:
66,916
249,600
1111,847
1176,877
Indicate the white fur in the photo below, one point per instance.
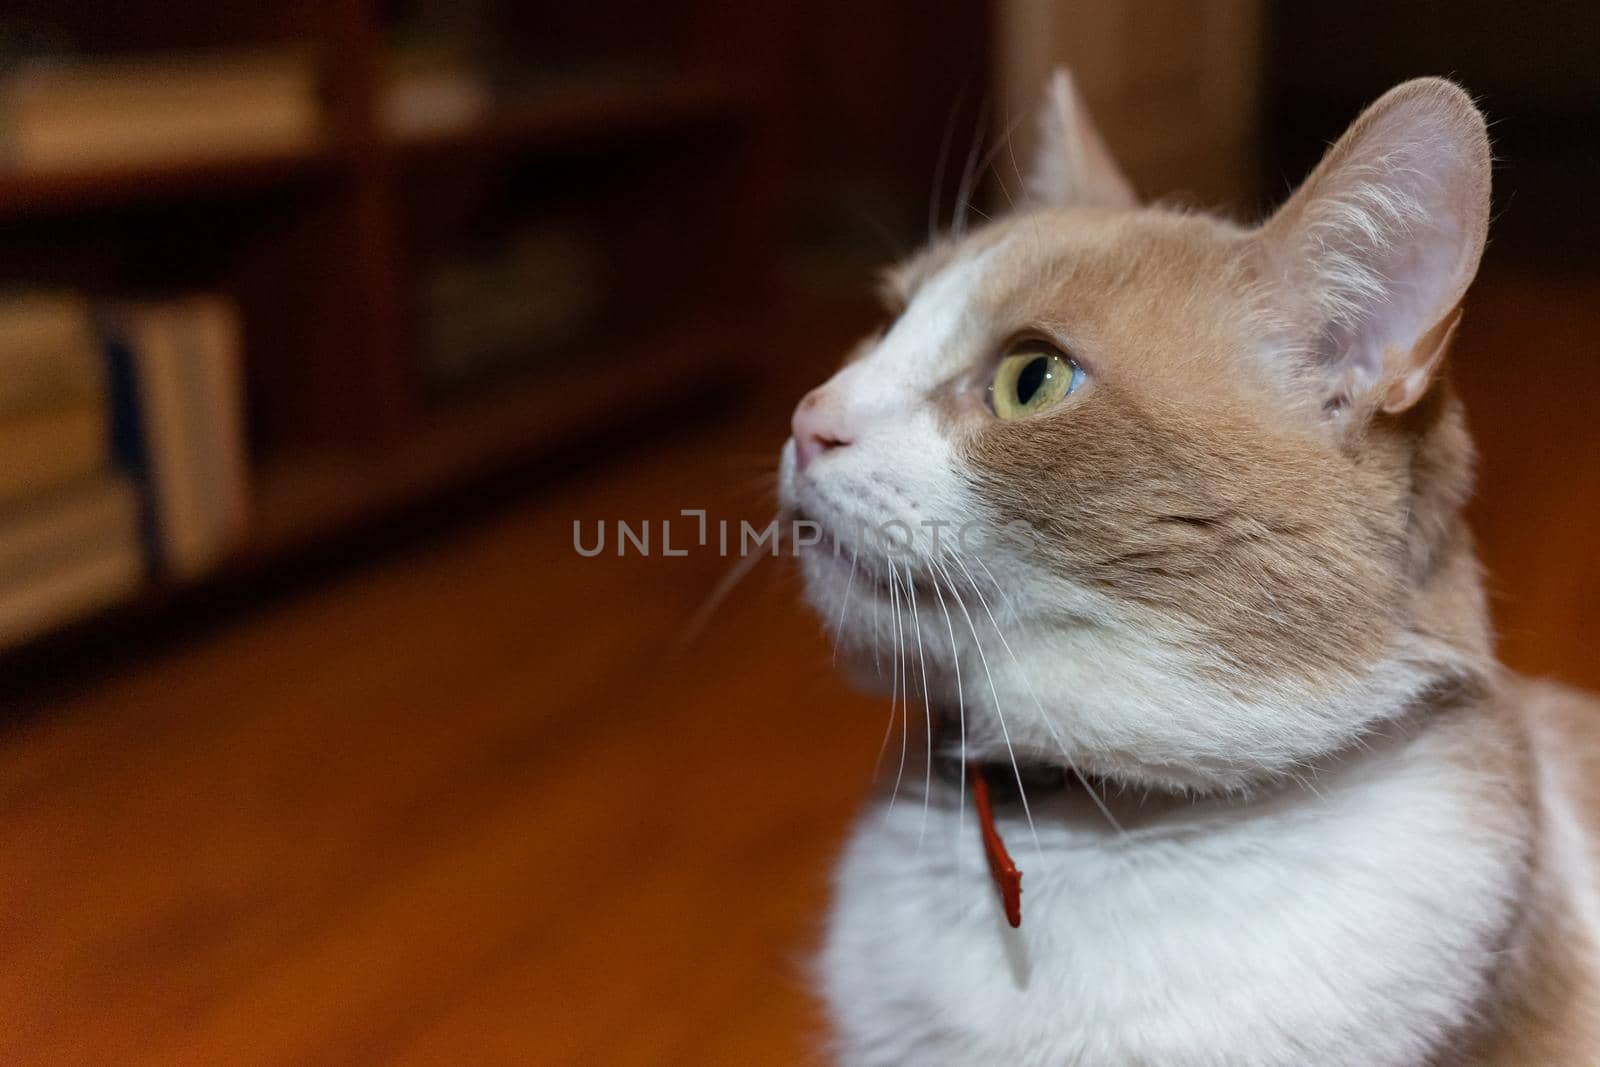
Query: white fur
1350,925
901,467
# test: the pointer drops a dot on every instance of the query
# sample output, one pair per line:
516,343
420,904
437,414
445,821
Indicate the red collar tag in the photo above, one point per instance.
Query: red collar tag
1002,868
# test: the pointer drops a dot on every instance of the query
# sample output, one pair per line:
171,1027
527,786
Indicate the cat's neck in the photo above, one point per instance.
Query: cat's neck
1387,881
1114,803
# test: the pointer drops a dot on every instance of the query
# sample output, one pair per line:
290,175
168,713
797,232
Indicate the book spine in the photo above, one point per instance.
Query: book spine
49,354
178,425
42,450
130,447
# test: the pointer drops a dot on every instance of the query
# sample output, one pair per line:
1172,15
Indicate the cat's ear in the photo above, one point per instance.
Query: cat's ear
1072,166
1377,247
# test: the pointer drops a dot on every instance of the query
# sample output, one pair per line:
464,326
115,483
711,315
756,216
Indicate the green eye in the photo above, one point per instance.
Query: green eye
1032,377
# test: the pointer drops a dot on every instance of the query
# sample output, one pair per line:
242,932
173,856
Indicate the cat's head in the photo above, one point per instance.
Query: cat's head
1178,500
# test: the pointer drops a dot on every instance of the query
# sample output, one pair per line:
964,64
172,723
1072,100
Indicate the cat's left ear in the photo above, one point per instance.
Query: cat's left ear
1377,247
1072,166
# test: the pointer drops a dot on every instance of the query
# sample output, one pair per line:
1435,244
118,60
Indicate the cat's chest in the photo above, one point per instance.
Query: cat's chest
1327,927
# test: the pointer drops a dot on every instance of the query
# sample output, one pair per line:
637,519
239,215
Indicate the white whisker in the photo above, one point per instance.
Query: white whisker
735,574
961,718
844,604
939,165
958,224
894,688
905,695
877,656
994,694
927,710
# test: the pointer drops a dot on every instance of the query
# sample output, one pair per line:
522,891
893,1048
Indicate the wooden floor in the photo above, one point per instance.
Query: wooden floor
471,802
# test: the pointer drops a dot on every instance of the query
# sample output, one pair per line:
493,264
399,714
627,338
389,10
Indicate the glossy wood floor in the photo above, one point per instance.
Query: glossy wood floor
470,802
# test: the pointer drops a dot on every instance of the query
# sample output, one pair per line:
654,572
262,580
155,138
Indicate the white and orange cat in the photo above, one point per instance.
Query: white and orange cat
1216,608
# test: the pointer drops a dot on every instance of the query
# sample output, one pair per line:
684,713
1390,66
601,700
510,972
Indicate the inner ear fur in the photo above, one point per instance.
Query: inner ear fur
1375,251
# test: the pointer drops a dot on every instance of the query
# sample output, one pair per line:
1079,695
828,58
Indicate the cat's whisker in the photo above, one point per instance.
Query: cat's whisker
1044,718
1003,141
900,677
961,719
844,605
1000,183
1006,602
736,573
994,694
877,655
1023,196
974,209
905,671
1022,184
985,165
894,684
958,224
927,709
944,158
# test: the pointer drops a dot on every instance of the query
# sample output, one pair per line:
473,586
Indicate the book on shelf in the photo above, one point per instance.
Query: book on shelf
67,112
122,450
432,91
68,553
43,449
178,425
52,394
543,289
69,532
49,354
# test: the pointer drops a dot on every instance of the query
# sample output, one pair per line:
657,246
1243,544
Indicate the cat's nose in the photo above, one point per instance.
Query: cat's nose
817,427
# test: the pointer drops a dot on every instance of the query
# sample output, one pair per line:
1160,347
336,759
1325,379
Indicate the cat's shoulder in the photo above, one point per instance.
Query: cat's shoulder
1550,997
1569,712
1562,725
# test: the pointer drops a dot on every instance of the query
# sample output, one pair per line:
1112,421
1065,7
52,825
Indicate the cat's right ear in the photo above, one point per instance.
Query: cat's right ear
1072,166
1377,248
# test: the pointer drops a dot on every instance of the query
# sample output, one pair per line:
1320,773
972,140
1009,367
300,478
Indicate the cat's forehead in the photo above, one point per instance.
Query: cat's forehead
948,305
1130,282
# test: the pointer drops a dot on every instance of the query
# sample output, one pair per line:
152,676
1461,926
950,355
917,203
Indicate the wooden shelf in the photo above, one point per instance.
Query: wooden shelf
588,113
26,194
302,498
578,114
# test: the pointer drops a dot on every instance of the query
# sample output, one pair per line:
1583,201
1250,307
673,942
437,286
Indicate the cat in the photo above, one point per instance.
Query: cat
1207,618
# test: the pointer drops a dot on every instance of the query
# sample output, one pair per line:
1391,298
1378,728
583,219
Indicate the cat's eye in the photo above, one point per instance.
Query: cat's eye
1031,377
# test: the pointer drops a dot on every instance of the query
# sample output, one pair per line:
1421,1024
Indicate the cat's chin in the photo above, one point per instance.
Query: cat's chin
858,606
871,625
839,590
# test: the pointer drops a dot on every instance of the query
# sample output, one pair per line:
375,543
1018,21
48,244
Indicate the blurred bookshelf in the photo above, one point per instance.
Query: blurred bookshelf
34,194
487,230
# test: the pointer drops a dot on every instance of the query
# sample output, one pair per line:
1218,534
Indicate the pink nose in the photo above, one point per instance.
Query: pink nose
817,427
